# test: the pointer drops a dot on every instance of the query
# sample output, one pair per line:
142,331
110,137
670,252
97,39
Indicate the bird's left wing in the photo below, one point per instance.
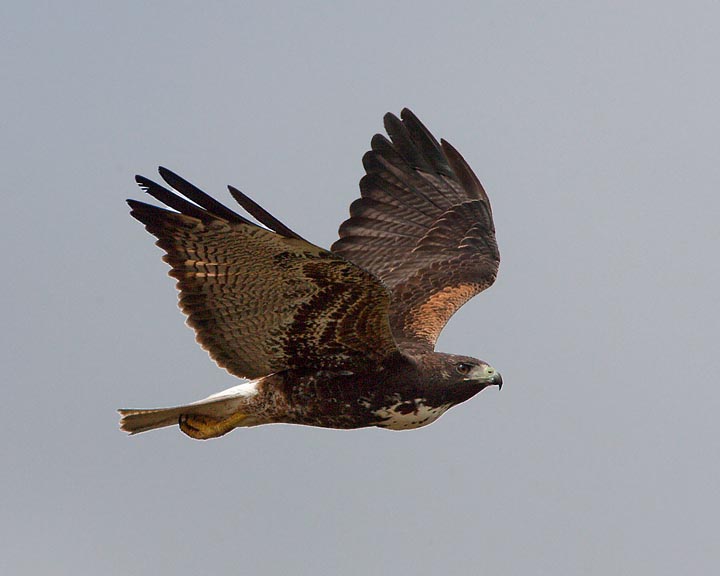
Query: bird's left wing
264,300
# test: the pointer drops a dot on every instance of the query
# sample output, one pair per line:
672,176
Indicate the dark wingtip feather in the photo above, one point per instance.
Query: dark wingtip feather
202,206
426,143
144,183
395,129
193,193
262,215
408,115
465,175
410,141
171,200
145,213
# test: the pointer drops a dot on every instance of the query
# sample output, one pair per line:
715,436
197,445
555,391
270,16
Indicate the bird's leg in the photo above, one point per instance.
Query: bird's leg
203,427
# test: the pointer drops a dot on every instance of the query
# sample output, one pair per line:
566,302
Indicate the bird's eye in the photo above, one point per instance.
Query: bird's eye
464,368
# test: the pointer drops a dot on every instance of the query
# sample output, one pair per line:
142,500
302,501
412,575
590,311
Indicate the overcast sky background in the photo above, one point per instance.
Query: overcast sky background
594,127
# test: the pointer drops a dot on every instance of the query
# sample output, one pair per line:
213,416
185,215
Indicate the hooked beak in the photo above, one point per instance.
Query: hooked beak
488,375
497,380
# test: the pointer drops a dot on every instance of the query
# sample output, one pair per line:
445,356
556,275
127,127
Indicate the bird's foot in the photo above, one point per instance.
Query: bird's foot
203,427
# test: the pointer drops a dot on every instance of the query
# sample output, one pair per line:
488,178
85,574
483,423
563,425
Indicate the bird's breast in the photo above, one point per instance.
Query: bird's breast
408,414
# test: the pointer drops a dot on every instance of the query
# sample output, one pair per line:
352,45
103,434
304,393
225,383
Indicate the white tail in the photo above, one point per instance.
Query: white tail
219,406
136,421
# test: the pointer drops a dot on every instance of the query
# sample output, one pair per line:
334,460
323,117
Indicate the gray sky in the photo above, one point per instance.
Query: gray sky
594,127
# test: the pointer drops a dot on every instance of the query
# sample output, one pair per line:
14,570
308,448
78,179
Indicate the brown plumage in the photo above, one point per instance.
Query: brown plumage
340,338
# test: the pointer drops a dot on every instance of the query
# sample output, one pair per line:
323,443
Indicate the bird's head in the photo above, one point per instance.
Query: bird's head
461,377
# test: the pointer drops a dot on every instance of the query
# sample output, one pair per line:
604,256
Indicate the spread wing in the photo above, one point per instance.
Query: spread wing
423,225
264,300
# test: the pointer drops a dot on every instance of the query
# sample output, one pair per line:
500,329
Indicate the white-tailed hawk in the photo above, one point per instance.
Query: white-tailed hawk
339,338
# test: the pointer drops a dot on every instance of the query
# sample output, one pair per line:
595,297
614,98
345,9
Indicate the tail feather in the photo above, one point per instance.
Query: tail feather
136,421
232,406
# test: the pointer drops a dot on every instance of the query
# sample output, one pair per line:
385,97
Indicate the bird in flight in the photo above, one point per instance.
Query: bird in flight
339,338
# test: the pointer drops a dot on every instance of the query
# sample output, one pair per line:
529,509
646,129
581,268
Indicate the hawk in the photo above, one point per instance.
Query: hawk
339,338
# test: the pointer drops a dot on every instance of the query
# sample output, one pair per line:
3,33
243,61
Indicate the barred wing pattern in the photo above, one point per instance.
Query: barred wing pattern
264,300
423,225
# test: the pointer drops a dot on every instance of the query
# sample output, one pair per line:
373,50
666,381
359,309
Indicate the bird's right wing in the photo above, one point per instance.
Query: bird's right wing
264,300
